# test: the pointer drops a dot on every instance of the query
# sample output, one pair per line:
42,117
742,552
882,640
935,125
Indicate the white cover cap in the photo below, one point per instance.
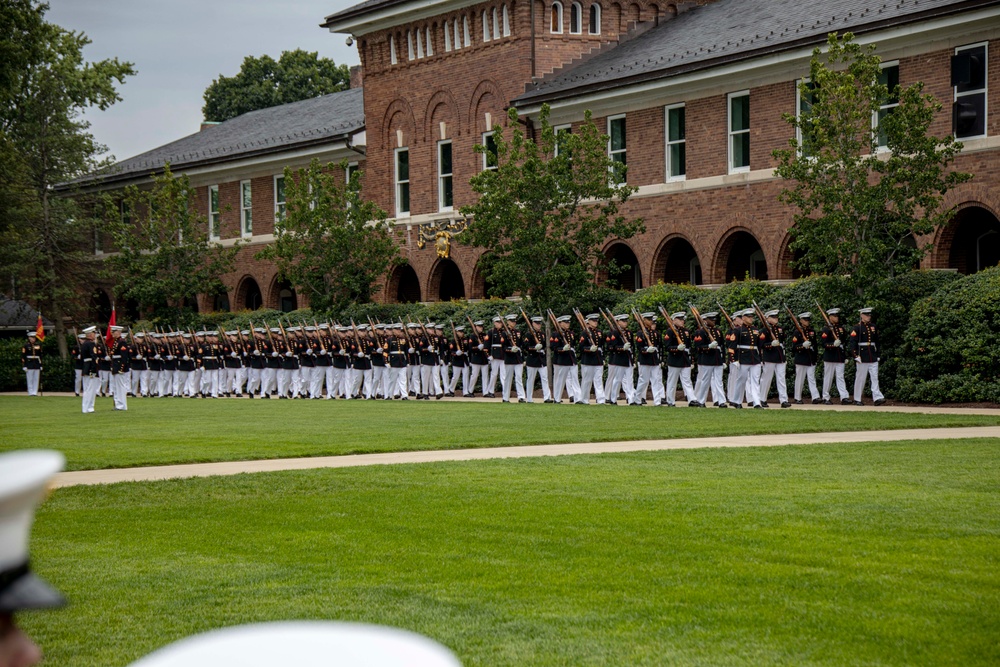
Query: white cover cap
303,644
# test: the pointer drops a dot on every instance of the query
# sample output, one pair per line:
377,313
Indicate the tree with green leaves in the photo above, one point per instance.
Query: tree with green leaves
265,82
330,243
866,199
45,85
546,209
162,257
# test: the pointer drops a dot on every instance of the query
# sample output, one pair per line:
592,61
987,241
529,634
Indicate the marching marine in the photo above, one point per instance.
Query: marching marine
677,344
711,362
647,343
31,362
771,337
864,345
804,348
833,337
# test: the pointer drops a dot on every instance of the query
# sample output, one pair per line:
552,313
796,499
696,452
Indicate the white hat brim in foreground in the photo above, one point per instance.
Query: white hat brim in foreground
303,644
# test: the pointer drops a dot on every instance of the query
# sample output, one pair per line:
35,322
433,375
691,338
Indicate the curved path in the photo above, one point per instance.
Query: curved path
153,473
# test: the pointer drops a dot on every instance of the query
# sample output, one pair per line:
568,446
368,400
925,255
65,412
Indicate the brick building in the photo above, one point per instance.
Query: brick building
691,94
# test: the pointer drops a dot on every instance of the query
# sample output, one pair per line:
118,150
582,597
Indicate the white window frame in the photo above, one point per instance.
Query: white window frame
556,10
486,153
392,50
730,133
430,42
506,22
447,36
576,18
246,212
409,45
352,167
622,152
420,43
467,36
400,184
446,177
558,129
458,35
279,204
214,215
798,113
486,26
668,143
985,90
496,25
594,9
875,116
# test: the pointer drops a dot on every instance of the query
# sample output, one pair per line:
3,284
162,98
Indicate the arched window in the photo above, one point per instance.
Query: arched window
575,18
458,36
409,44
595,19
556,23
430,43
506,22
486,26
420,44
496,25
447,37
465,29
392,49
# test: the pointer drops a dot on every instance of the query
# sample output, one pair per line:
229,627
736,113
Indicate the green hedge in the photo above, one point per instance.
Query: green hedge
57,374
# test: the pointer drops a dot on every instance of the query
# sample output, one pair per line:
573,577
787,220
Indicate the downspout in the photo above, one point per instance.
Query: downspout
532,40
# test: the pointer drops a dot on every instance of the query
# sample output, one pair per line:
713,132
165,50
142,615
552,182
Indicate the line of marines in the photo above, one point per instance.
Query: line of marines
424,361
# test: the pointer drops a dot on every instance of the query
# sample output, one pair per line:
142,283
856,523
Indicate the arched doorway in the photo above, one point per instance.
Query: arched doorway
625,274
971,240
287,300
677,263
404,286
221,303
446,281
191,303
481,287
742,257
248,294
787,257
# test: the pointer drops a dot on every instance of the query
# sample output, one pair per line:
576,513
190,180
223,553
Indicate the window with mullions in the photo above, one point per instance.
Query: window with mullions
402,182
496,25
739,131
279,198
676,143
889,77
968,76
214,216
246,209
486,26
555,19
562,133
616,147
595,19
803,106
490,159
575,18
506,22
445,195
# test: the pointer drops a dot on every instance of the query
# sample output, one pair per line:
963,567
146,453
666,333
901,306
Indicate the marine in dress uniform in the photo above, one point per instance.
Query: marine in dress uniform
187,366
413,359
496,341
710,351
865,347
78,365
380,369
231,351
31,362
460,366
272,363
430,381
805,351
210,354
678,351
121,374
324,360
444,356
478,360
834,340
619,348
591,344
140,365
773,353
397,346
535,363
89,356
513,361
104,368
650,373
744,341
563,362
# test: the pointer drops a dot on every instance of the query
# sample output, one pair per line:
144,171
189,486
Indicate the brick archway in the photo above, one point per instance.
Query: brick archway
970,242
628,275
248,294
446,281
676,261
403,285
738,254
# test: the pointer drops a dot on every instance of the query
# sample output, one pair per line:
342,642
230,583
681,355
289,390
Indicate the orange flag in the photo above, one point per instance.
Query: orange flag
40,328
111,323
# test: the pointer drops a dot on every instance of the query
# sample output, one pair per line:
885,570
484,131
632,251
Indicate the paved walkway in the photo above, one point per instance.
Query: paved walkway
236,467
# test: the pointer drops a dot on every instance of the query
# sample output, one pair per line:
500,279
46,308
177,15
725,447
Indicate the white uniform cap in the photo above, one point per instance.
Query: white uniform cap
81,336
32,334
679,315
496,319
833,311
562,318
650,315
593,316
865,311
771,313
478,323
275,330
805,316
510,317
24,480
90,330
245,332
304,644
537,318
117,328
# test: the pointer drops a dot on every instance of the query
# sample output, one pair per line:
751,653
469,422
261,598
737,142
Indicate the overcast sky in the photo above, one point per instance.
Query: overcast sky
179,47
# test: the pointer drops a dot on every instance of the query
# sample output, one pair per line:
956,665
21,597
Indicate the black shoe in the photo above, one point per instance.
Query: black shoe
521,400
468,395
410,394
738,406
827,402
439,396
764,404
721,405
644,401
450,394
251,396
880,401
858,403
549,401
816,401
758,407
266,396
611,402
668,405
786,404
559,402
506,401
797,402
282,397
846,401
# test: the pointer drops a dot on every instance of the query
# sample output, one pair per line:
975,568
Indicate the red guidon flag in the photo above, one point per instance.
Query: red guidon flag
40,328
111,323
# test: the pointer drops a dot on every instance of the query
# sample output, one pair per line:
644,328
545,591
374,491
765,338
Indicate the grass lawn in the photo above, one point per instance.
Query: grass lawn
164,431
873,554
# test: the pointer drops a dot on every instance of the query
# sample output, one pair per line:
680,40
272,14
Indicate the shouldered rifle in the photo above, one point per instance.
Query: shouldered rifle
378,339
284,336
475,332
270,338
642,327
795,321
726,315
826,318
555,323
670,323
253,337
454,336
531,327
763,320
357,336
583,324
701,322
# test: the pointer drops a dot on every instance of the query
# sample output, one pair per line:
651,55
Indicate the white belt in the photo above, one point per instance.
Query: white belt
747,347
33,357
866,344
116,356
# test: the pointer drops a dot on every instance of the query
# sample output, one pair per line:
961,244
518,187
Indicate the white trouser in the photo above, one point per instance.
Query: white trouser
253,380
445,380
777,371
142,388
329,381
649,375
133,385
210,382
177,382
747,383
77,381
801,373
833,369
619,378
153,383
378,381
166,383
240,379
268,381
430,380
33,376
591,375
316,376
481,372
734,375
543,374
335,382
357,377
105,381
515,372
562,378
460,371
413,373
395,384
863,372
286,380
120,384
305,379
90,386
191,384
684,375
709,377
496,370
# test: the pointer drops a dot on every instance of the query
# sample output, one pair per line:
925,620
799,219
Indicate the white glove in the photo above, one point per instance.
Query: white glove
256,353
736,364
107,358
138,357
538,347
274,354
651,350
170,357
431,348
627,347
515,349
713,345
837,343
593,348
567,348
480,347
681,347
360,355
234,355
807,344
309,350
186,358
24,368
323,352
857,360
379,350
458,352
411,351
157,357
775,343
289,354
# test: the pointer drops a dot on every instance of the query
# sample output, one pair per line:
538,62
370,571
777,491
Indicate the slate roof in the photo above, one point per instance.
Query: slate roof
286,127
19,316
730,30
